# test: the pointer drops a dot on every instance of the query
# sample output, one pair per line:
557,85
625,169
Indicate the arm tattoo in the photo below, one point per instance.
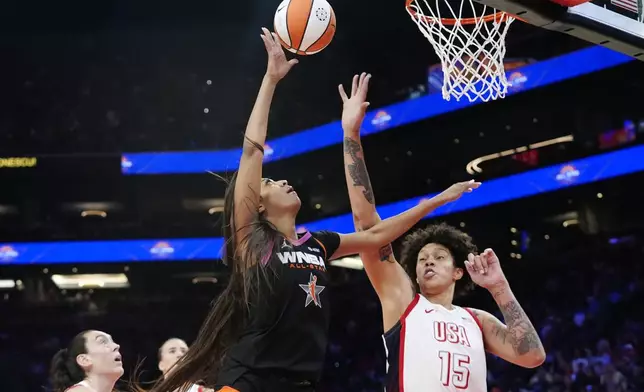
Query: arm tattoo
519,332
385,253
358,169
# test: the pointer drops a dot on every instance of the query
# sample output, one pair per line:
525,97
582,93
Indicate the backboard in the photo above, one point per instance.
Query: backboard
615,24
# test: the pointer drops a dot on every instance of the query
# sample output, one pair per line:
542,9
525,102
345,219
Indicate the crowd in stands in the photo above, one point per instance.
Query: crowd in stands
586,306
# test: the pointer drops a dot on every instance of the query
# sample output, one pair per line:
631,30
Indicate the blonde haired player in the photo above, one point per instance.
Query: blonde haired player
431,344
170,352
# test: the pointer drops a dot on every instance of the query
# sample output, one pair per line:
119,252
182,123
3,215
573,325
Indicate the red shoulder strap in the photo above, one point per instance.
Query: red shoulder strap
475,317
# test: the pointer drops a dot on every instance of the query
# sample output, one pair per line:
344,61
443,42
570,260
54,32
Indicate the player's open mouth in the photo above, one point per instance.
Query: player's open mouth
290,190
429,274
118,358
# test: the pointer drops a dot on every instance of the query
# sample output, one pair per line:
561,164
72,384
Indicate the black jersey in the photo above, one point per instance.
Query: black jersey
288,327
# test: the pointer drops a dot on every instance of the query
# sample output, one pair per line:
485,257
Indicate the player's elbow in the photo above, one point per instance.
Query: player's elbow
376,238
534,359
366,219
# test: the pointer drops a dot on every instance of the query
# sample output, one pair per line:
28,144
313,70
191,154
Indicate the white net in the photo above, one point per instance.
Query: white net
471,49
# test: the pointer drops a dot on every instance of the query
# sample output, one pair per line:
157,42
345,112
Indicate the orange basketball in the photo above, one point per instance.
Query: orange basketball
305,26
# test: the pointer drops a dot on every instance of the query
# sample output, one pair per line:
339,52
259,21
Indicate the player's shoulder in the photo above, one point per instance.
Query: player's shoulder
327,240
478,313
481,317
320,234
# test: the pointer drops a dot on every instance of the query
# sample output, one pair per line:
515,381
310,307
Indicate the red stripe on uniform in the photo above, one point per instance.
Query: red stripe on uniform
478,322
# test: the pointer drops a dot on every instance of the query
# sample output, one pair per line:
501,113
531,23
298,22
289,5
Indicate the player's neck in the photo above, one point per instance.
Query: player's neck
444,298
285,224
100,383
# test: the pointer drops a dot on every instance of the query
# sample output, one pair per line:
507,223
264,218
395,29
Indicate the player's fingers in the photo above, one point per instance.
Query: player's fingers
477,264
361,80
354,85
267,35
484,265
470,186
266,44
343,93
469,264
292,62
364,85
365,105
491,256
275,40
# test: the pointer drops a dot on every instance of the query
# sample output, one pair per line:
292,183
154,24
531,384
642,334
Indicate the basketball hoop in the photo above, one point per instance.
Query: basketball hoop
471,48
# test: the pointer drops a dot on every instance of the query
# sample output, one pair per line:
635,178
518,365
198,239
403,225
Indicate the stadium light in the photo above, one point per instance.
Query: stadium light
90,281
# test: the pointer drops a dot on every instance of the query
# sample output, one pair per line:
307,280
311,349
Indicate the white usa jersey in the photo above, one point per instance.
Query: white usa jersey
434,349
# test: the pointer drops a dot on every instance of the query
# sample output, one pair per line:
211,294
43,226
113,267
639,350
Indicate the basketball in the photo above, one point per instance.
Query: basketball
305,27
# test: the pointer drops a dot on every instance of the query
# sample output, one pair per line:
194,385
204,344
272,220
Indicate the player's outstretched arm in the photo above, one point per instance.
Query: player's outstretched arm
515,341
249,176
386,231
388,278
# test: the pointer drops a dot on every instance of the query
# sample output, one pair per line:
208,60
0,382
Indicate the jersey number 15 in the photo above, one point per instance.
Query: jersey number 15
455,369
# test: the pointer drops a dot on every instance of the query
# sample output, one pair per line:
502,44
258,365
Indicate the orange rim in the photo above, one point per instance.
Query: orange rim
500,16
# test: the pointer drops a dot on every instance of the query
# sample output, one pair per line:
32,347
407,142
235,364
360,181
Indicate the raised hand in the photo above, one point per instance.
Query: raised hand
355,106
485,269
455,191
278,66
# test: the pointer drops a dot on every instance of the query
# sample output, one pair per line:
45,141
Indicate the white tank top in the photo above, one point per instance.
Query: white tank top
434,349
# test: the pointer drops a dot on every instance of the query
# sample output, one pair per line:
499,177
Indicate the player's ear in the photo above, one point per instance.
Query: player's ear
83,360
458,273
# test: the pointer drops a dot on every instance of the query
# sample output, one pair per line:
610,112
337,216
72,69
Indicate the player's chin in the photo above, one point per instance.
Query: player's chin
118,371
296,204
432,284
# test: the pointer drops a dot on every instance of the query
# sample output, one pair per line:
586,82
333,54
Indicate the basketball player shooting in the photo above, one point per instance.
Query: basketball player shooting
431,344
268,330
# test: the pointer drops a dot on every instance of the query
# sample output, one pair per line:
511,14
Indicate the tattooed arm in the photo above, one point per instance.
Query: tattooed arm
387,276
363,206
515,341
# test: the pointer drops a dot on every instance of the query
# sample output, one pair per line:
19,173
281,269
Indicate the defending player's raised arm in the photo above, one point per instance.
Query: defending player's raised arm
363,204
389,229
516,341
387,276
249,176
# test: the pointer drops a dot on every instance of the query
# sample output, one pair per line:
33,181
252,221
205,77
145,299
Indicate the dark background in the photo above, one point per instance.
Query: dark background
84,81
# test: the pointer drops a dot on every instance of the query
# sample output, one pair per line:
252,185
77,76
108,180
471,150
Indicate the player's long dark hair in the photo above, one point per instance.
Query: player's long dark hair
65,371
229,313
